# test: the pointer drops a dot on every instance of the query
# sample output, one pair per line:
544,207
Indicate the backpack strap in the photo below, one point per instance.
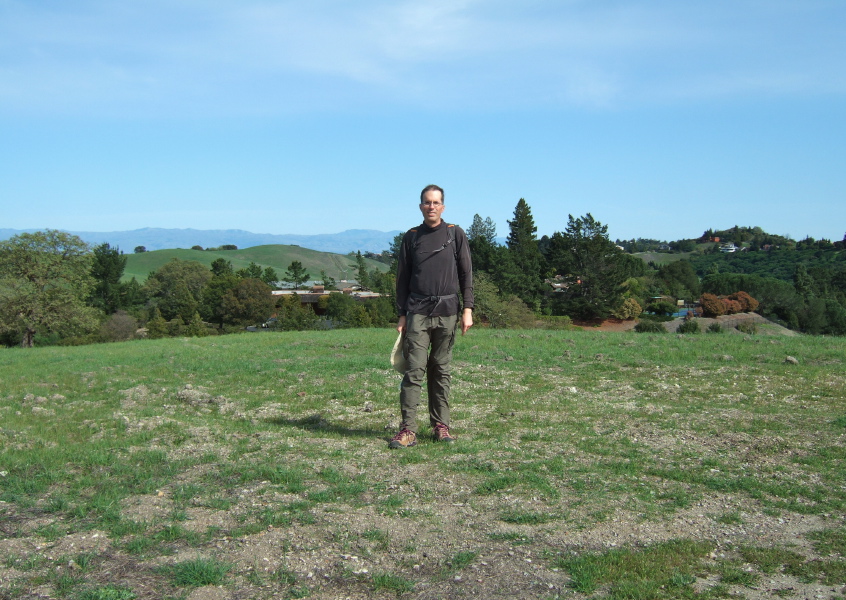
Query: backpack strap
450,241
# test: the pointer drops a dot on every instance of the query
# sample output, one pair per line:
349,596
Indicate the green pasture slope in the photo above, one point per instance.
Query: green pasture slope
588,465
663,258
277,256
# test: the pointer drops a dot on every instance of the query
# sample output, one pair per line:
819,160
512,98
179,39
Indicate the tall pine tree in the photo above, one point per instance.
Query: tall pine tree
592,267
524,273
481,236
107,269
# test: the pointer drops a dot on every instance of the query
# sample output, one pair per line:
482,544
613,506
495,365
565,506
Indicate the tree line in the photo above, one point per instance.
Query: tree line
55,288
579,273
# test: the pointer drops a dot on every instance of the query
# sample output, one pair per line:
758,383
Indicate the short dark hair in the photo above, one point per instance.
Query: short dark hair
432,188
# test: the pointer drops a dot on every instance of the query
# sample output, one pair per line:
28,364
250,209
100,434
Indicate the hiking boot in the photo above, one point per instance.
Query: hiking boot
442,433
404,439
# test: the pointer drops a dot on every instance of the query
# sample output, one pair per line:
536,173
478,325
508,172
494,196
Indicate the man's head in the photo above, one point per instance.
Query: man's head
432,205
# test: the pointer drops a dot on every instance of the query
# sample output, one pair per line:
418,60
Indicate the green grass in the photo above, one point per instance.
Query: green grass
661,571
108,592
391,582
197,572
561,434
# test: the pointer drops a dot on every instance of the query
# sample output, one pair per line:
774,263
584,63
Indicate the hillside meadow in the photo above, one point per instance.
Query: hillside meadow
277,256
588,465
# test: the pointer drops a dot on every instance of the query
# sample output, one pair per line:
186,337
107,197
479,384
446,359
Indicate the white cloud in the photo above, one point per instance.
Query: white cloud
187,57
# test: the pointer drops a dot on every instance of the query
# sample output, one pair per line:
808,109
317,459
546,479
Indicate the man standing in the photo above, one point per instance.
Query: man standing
434,266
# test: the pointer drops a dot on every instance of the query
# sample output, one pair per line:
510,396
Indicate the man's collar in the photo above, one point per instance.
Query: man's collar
433,228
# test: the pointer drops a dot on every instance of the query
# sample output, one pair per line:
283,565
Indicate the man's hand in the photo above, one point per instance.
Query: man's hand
401,324
466,320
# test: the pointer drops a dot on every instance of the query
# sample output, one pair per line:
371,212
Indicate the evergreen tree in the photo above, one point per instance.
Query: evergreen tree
327,282
481,236
221,266
525,271
296,274
179,302
131,295
680,280
176,326
107,269
592,266
396,244
251,271
802,282
156,326
363,276
195,327
270,277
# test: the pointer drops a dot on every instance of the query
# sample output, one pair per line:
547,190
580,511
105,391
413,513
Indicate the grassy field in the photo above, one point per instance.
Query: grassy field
588,465
663,258
277,256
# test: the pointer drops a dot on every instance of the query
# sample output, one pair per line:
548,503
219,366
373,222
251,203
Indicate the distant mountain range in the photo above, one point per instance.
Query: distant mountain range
152,238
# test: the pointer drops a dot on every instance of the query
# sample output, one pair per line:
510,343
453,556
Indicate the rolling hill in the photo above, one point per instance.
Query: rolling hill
277,256
156,238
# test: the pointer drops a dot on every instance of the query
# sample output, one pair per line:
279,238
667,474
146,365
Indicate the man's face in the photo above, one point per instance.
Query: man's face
432,207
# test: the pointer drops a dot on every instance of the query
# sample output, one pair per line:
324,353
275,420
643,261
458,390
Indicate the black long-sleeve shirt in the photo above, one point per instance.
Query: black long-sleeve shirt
429,266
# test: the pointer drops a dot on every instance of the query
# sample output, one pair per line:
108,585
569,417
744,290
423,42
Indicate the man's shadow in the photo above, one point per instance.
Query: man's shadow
319,424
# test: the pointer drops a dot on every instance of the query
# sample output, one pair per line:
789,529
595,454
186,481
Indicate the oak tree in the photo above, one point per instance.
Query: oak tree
45,280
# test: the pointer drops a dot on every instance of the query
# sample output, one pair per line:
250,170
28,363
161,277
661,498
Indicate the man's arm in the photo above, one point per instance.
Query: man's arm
403,279
464,266
466,320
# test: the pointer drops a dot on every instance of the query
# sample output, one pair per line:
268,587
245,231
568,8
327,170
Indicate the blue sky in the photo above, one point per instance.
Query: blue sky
660,118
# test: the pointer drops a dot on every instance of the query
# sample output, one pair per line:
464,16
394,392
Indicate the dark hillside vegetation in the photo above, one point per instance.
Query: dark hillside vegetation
780,264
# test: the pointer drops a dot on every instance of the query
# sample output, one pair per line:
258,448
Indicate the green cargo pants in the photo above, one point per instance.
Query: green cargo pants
423,332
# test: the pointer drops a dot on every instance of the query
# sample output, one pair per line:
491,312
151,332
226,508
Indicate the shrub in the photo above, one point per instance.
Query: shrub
748,327
661,307
711,305
156,326
732,306
176,327
747,302
630,309
195,327
513,314
556,322
118,328
689,326
715,328
650,326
